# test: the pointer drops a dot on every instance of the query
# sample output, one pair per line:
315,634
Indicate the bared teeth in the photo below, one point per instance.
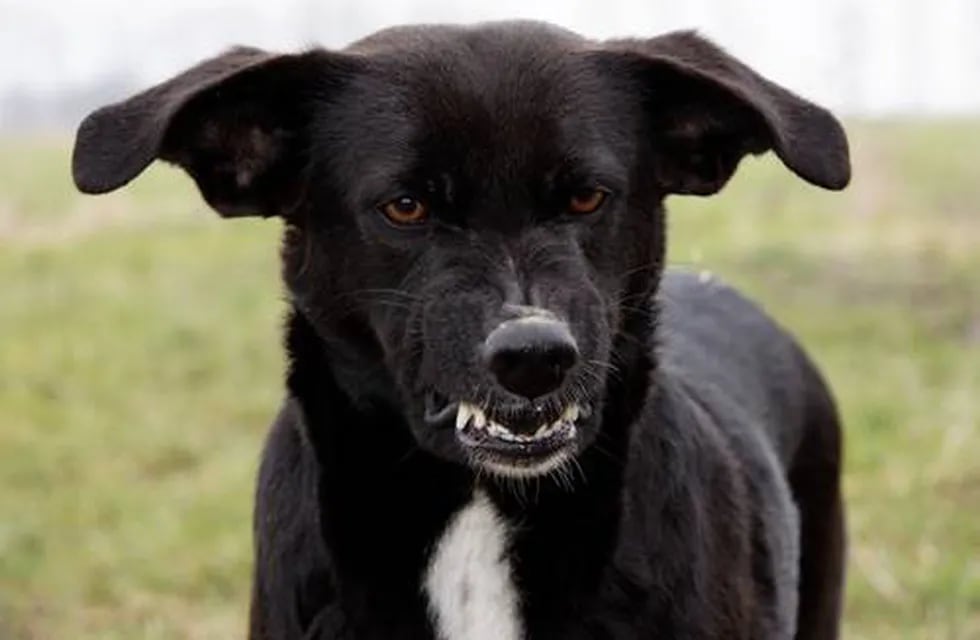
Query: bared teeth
502,432
471,415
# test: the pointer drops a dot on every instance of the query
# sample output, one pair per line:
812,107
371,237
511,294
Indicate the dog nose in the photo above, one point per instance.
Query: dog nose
530,356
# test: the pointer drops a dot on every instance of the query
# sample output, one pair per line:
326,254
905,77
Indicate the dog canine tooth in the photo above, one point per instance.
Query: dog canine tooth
465,412
570,414
573,413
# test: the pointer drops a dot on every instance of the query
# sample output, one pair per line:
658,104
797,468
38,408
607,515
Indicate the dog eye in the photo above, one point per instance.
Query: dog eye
587,201
405,210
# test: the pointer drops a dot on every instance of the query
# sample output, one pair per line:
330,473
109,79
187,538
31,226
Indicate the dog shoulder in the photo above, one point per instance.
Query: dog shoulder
734,352
701,460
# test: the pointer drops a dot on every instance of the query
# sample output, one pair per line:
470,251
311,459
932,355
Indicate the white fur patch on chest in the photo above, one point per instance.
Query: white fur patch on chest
469,582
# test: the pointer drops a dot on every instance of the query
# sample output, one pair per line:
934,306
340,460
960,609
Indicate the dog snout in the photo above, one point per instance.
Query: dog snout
530,356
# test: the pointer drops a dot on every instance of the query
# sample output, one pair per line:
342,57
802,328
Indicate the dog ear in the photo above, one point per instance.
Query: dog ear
707,110
237,123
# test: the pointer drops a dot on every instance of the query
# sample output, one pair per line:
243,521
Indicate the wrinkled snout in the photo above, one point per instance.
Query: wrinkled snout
529,356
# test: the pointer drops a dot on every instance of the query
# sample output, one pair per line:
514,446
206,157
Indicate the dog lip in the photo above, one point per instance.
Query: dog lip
439,410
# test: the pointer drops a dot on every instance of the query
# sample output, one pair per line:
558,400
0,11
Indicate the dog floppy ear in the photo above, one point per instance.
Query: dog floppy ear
237,123
707,110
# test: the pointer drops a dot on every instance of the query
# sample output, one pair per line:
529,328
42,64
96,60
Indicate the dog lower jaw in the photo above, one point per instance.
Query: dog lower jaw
524,471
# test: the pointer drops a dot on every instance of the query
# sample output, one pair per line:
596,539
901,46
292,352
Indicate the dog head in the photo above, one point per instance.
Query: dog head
473,214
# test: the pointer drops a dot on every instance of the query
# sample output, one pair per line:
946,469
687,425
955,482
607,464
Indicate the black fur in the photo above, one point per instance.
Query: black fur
704,498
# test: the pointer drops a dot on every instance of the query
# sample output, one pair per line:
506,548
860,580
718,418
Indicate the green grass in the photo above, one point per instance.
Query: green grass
140,364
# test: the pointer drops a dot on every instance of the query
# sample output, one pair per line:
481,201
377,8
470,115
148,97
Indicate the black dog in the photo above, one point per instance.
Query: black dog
504,419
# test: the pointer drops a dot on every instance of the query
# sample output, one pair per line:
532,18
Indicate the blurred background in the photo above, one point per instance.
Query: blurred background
132,410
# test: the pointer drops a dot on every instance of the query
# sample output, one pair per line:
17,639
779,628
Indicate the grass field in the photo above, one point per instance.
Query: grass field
140,364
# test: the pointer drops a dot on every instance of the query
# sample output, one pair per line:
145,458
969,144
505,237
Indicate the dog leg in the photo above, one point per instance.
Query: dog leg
815,482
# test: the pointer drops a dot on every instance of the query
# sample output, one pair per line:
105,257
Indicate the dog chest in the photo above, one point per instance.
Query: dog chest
469,581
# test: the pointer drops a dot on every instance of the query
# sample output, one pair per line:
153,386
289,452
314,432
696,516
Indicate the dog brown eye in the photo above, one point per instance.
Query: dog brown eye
405,210
586,201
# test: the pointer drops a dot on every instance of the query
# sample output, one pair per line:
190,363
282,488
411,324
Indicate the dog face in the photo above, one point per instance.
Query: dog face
474,222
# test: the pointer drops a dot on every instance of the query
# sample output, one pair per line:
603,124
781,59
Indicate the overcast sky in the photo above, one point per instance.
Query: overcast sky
859,56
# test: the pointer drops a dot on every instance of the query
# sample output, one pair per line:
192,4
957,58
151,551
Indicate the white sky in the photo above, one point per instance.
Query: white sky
867,56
